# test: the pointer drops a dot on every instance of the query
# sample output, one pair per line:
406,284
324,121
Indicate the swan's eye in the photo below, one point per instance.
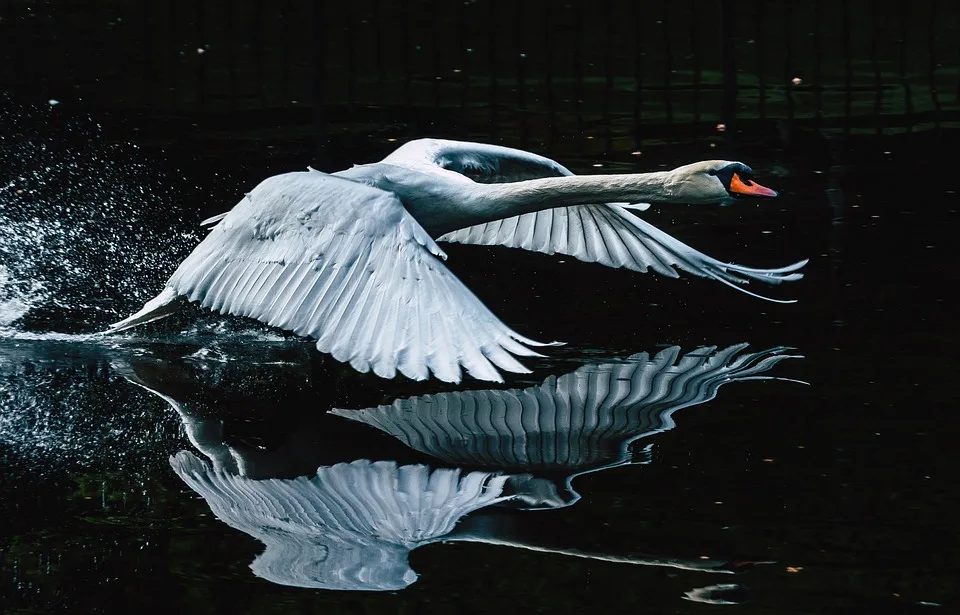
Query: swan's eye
726,174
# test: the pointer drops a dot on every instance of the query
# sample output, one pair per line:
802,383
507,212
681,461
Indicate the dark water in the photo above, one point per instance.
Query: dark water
774,496
691,449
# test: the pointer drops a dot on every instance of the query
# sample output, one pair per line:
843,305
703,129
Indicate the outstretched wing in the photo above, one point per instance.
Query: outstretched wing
603,233
612,236
346,264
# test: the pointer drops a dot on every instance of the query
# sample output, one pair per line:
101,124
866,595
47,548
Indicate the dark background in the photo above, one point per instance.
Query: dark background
564,77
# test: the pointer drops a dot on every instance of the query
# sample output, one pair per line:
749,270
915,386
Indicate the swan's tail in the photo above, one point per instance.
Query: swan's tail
166,303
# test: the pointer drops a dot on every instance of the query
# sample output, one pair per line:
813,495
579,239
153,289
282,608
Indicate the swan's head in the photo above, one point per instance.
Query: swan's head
716,182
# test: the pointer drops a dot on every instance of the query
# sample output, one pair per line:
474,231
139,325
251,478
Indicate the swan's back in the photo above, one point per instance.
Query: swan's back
481,162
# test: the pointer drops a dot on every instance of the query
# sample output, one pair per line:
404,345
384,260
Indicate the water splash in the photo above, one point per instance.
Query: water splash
88,230
15,297
59,413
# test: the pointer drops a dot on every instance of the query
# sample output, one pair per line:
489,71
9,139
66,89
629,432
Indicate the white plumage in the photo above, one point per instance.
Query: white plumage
583,421
351,526
347,265
605,233
349,259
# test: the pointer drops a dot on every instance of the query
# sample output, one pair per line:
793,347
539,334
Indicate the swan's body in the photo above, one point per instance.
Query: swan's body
350,259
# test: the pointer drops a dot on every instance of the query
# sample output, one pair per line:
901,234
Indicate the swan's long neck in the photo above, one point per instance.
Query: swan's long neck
536,194
444,201
496,201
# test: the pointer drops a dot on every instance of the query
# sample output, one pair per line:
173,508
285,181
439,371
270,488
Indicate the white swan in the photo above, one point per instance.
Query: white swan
349,258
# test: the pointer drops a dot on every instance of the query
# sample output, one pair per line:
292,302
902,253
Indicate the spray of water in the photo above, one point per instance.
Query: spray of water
60,414
88,230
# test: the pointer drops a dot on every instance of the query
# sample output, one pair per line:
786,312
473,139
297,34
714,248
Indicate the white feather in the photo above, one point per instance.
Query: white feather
327,284
599,233
348,258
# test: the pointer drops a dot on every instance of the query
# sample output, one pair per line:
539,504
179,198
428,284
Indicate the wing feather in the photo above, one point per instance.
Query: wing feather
603,233
346,264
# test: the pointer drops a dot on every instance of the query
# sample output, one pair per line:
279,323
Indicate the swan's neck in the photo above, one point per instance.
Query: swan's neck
444,201
535,194
496,201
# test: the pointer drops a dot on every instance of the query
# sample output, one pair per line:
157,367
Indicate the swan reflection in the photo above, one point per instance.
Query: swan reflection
351,525
581,422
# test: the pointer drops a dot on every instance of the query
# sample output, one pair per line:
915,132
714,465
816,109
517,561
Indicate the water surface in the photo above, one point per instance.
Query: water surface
667,457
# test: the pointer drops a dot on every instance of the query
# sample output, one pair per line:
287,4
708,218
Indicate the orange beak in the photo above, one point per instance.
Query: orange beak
749,188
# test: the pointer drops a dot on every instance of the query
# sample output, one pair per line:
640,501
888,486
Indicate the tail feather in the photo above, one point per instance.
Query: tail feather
166,303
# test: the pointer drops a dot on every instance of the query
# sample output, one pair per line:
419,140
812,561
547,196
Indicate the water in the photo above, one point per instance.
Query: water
655,464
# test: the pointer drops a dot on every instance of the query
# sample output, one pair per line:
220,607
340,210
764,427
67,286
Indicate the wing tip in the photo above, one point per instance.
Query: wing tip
164,304
529,342
214,219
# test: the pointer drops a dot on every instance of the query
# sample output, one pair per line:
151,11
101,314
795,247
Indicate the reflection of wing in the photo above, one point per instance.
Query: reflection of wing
579,421
701,565
725,593
349,527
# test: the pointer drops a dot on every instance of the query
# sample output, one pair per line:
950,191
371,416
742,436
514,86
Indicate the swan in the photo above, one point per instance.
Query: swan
349,258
